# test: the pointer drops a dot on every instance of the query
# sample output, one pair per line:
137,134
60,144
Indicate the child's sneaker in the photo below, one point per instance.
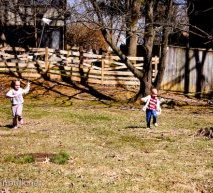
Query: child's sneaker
155,124
15,127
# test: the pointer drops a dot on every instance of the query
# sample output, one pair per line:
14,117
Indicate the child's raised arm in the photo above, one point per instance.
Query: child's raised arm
27,88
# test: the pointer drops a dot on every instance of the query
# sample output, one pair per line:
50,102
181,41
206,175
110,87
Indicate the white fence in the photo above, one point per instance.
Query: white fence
97,69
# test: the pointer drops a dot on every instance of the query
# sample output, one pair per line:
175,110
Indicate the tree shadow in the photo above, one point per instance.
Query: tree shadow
135,127
185,72
9,126
45,75
199,71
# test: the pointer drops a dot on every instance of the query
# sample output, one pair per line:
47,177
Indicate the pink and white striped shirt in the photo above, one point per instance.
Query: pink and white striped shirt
152,103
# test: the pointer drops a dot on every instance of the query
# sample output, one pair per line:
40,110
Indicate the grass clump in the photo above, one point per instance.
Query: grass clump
60,158
21,159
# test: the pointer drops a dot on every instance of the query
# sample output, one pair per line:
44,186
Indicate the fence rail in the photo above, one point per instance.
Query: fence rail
188,71
98,69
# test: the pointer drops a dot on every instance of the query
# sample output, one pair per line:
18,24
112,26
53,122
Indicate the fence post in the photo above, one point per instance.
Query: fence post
81,62
46,59
102,69
81,57
68,54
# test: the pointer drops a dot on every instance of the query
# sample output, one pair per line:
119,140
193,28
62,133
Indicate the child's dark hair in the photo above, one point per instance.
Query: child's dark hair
13,83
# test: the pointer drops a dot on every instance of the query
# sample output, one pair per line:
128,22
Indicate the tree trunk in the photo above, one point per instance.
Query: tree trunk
146,79
164,45
148,42
131,24
131,43
144,90
145,76
162,60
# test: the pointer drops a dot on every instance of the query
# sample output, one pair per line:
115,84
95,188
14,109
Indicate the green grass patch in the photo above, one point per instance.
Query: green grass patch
60,158
20,159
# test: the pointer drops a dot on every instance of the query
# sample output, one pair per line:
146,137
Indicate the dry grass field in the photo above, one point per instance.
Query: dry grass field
108,145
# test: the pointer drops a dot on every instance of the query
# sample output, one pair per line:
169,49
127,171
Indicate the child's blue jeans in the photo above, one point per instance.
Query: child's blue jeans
149,114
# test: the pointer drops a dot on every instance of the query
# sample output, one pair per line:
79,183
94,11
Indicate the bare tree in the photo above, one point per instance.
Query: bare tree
130,12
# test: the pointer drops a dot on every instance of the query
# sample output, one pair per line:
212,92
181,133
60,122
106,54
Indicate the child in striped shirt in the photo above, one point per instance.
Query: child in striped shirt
151,107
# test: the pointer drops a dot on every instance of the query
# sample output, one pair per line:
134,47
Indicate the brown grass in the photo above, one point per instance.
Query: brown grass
110,149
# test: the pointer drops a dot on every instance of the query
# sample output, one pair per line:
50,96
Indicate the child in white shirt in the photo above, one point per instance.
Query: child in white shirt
16,96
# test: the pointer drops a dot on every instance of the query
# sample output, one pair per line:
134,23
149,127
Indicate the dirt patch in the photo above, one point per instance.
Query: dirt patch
40,157
30,158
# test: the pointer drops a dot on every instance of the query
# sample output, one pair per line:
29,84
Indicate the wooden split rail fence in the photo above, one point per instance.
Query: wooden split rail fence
98,69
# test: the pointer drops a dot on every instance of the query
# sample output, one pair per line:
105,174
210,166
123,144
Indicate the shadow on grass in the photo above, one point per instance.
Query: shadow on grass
135,127
82,87
8,126
65,78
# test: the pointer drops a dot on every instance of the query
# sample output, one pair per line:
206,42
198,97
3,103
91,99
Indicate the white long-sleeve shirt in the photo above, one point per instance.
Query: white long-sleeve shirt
16,96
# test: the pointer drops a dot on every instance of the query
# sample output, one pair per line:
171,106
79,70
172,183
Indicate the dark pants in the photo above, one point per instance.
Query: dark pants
149,114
